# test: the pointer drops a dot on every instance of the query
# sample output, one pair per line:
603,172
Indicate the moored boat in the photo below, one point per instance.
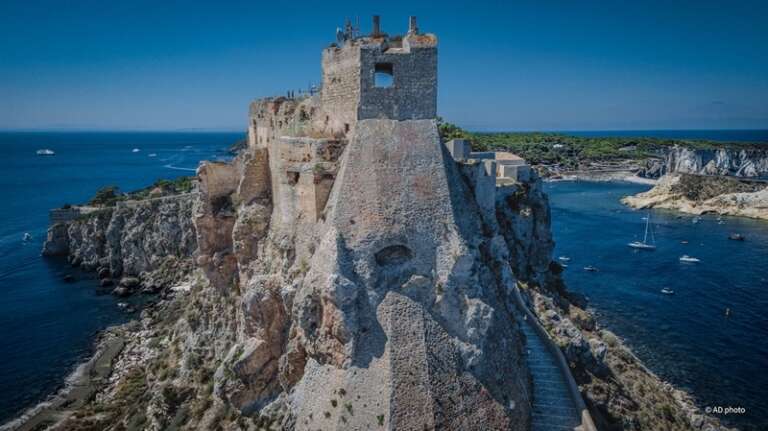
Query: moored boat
689,259
644,245
45,152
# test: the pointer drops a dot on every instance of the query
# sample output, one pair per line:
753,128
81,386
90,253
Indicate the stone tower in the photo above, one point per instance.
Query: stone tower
379,77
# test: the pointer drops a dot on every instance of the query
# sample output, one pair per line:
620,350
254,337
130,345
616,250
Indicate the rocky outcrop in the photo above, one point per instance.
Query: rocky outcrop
727,161
696,194
622,394
153,239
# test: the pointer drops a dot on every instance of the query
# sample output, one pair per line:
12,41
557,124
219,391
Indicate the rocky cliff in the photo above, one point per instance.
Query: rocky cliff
143,244
731,161
697,194
279,329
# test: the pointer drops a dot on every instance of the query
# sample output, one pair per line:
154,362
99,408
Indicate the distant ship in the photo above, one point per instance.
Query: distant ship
643,245
45,152
667,291
135,150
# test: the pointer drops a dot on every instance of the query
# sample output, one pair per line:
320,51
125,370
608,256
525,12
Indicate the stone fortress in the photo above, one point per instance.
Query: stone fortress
364,77
350,271
374,259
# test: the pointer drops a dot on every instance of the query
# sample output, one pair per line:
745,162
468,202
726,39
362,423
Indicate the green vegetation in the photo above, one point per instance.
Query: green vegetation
552,148
108,196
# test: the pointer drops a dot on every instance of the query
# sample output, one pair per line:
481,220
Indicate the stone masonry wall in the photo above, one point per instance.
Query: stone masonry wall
413,94
341,86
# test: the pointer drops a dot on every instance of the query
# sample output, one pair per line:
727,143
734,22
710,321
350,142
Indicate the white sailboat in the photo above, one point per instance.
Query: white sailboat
644,245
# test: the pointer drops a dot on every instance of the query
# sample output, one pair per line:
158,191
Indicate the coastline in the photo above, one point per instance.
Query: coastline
626,176
87,378
699,195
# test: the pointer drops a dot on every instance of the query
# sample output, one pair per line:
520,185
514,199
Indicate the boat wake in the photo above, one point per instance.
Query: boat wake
169,166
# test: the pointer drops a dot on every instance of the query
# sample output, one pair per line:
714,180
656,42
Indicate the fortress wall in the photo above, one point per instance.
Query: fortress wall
254,176
413,94
217,178
341,87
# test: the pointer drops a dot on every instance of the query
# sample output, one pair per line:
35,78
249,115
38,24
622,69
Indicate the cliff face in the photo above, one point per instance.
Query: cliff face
695,194
752,162
364,313
153,239
362,268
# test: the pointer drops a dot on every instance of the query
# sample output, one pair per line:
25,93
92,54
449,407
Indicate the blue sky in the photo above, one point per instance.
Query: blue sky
540,65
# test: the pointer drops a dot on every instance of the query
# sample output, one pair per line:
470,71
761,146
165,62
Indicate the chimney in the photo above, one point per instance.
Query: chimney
412,27
376,26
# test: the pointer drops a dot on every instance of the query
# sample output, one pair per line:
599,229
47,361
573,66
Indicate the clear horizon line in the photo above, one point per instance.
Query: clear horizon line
471,129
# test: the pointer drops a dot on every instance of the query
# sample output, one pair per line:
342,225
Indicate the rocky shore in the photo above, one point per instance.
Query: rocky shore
698,194
174,365
347,270
136,245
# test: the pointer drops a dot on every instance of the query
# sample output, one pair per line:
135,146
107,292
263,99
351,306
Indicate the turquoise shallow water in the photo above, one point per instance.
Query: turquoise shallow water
686,337
46,325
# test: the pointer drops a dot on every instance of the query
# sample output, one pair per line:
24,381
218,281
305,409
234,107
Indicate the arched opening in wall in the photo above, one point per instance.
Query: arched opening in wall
393,255
383,75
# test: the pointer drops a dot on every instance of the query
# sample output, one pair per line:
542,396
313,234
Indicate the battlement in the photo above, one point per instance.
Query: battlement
374,76
379,76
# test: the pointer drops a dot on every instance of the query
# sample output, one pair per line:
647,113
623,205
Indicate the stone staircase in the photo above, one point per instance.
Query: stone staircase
553,408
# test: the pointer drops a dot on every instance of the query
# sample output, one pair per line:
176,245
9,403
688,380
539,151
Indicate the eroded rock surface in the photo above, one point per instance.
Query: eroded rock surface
695,194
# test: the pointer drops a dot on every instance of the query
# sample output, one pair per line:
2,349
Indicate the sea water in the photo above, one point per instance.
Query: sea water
686,338
47,325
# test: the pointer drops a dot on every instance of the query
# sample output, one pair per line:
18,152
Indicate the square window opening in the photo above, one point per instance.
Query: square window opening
383,76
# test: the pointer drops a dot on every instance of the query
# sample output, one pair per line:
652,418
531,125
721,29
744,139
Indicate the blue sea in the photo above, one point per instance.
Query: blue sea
685,338
47,325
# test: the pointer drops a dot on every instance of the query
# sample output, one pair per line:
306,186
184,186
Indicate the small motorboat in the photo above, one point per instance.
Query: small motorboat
736,237
667,291
689,259
152,155
564,259
135,150
562,265
590,268
683,242
45,152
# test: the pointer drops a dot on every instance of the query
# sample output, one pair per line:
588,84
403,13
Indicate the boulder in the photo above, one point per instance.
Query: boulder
104,273
106,282
121,292
130,282
69,278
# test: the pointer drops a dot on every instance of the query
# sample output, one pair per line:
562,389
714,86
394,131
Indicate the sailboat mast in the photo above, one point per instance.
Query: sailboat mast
647,222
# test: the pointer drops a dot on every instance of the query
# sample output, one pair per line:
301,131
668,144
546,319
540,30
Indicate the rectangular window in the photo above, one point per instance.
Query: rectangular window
383,76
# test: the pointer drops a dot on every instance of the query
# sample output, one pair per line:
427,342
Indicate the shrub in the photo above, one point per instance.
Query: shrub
106,196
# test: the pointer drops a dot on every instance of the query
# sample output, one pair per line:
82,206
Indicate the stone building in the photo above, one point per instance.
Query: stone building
348,199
